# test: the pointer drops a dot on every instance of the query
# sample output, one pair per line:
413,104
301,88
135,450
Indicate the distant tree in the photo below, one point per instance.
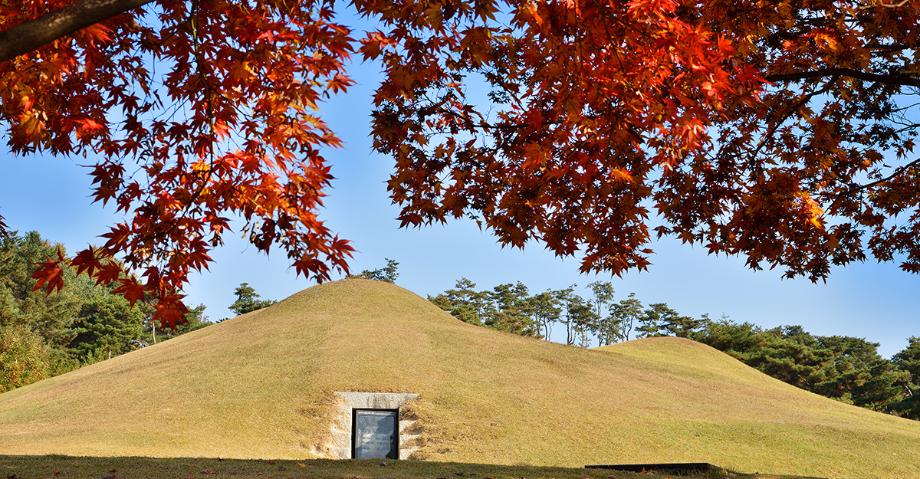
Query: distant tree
24,357
50,316
602,296
195,319
844,368
602,292
580,318
464,302
625,314
106,326
248,300
908,360
36,327
650,323
570,304
736,339
546,310
859,375
388,273
659,319
684,326
792,355
512,310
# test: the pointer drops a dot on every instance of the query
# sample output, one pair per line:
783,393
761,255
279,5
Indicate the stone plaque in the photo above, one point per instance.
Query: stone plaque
374,434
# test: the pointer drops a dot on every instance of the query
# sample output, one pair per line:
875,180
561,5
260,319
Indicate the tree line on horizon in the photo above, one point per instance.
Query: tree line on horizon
845,368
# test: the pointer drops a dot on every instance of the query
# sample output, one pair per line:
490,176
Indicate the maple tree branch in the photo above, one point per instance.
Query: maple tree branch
37,33
898,171
792,110
896,79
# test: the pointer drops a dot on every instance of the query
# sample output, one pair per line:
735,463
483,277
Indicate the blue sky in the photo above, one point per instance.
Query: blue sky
875,301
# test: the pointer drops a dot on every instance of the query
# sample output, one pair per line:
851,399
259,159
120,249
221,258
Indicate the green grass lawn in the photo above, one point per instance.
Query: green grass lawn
65,467
262,386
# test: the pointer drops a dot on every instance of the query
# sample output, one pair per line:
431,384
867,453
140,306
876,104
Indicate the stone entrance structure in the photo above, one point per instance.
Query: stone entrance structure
374,416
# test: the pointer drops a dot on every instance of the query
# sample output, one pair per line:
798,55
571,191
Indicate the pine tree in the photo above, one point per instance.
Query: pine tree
627,312
607,326
546,310
464,302
908,360
248,300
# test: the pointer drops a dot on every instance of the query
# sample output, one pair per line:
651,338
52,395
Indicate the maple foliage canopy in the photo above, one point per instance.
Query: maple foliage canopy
781,131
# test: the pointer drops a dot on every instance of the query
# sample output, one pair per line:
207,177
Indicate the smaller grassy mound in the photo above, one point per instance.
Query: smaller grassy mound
34,467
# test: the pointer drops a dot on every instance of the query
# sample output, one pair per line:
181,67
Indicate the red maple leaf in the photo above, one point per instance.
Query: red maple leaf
130,289
49,275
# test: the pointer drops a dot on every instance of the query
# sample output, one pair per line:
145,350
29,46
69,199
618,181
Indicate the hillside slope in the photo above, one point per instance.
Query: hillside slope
260,386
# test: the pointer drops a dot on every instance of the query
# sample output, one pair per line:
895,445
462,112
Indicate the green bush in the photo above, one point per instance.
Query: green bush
24,357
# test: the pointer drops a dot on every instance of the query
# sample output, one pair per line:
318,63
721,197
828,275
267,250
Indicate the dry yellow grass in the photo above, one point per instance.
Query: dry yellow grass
258,386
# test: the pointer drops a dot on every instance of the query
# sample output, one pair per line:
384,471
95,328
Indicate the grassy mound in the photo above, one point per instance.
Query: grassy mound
260,386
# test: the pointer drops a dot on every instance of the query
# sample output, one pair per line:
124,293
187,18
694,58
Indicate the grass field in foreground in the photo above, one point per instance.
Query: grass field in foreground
261,386
60,467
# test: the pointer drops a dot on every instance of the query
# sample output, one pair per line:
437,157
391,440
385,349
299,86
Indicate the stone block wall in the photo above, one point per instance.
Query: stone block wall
338,444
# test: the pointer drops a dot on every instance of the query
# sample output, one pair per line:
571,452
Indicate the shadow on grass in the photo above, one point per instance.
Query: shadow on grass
68,467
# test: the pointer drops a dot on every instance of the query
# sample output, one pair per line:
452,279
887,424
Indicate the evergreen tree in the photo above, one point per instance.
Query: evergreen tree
580,318
48,315
859,375
625,314
106,326
511,310
736,339
607,328
908,360
546,310
388,273
248,300
36,327
681,325
464,302
651,321
792,355
195,319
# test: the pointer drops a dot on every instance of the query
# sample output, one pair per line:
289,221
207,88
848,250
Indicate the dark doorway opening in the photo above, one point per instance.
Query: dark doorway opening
375,434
